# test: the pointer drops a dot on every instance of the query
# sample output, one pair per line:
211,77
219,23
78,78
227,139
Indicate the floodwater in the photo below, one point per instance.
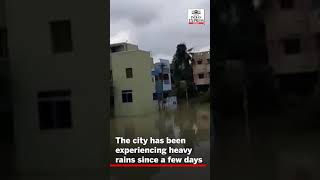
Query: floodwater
190,122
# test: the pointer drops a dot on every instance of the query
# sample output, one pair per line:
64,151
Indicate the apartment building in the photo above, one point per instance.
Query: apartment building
293,40
58,63
162,76
6,128
201,69
133,82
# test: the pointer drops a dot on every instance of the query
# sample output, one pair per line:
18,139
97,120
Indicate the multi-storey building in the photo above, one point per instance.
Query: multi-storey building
162,76
293,40
58,62
6,128
133,82
201,70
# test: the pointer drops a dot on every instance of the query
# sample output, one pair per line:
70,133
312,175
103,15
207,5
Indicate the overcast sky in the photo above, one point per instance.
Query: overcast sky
159,25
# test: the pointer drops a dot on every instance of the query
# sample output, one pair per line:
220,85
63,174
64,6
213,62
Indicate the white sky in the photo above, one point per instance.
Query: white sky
159,25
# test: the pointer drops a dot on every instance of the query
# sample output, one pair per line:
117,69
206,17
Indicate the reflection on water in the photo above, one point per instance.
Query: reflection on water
191,122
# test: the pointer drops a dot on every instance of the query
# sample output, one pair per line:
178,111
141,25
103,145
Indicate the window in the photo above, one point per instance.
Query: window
286,4
165,94
155,97
54,109
165,70
165,76
129,73
157,78
3,43
112,102
317,38
199,62
126,96
117,48
292,46
201,76
61,36
166,79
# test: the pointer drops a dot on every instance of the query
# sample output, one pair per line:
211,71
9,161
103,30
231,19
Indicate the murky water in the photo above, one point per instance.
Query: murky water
190,122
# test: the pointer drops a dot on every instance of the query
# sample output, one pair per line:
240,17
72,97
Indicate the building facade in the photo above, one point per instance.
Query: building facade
293,41
58,62
162,76
6,128
133,82
201,70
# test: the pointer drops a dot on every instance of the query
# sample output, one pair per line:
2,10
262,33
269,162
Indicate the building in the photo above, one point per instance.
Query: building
201,70
162,77
6,128
293,40
133,83
163,80
58,63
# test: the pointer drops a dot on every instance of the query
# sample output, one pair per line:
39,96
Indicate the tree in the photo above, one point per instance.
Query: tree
182,61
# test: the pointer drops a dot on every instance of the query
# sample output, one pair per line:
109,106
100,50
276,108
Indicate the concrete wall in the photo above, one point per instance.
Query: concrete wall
141,84
83,148
6,129
124,47
281,24
131,47
203,68
2,13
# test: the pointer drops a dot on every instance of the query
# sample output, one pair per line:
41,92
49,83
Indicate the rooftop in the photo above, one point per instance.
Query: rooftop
121,43
199,52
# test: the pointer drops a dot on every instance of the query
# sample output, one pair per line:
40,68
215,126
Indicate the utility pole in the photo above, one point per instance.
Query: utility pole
162,66
187,94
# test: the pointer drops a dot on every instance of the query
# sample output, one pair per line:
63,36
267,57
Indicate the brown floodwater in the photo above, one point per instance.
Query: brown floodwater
190,122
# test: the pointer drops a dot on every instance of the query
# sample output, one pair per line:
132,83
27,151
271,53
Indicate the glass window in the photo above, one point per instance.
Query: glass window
3,43
54,109
127,96
286,4
292,46
61,36
129,73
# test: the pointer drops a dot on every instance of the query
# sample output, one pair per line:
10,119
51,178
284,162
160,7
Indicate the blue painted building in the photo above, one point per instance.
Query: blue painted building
161,73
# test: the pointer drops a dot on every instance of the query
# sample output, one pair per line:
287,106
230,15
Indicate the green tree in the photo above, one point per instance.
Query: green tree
182,61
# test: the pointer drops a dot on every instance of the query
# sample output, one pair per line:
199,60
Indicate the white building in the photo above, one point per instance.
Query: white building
132,80
58,62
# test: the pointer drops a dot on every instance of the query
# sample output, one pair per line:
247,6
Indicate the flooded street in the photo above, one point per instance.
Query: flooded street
190,122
